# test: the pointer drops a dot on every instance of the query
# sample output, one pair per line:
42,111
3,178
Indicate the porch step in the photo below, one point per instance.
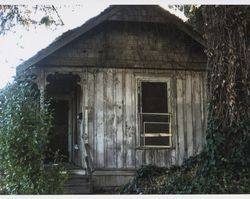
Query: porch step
78,183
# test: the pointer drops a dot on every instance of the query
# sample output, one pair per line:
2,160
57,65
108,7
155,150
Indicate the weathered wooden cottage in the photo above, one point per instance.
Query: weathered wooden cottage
128,89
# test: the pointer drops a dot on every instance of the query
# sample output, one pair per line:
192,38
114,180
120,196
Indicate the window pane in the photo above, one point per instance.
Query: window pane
156,128
155,118
154,97
157,141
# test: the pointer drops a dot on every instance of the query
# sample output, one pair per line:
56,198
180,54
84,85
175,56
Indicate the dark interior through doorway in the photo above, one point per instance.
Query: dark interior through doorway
58,136
62,92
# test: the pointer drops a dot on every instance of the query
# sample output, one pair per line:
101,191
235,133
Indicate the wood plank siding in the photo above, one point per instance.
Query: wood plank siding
114,119
113,133
111,60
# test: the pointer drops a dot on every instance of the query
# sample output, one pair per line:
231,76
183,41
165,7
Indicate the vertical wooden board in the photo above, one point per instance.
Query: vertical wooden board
169,158
110,153
144,157
202,105
80,139
205,108
139,158
164,158
105,114
189,113
154,156
174,128
184,83
197,112
193,106
173,159
157,158
161,158
138,155
99,120
79,122
133,118
119,119
148,157
124,135
129,146
91,108
180,121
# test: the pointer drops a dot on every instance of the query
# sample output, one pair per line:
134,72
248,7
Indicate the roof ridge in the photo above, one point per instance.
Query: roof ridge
76,31
72,34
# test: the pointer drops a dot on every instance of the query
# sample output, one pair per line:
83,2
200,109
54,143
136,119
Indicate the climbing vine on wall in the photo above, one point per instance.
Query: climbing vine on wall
228,82
24,131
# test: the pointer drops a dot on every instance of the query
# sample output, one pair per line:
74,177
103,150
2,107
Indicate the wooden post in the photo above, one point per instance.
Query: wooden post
83,127
86,114
41,84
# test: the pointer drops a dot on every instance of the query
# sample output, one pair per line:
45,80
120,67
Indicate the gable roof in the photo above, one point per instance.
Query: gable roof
114,13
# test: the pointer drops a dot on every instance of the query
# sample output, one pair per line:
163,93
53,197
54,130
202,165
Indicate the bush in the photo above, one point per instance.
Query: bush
24,131
195,176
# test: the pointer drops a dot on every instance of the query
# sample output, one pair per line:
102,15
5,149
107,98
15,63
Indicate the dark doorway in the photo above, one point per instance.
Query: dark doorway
58,136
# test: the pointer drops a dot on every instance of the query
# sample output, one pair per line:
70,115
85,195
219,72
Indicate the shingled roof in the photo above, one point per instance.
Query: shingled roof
114,13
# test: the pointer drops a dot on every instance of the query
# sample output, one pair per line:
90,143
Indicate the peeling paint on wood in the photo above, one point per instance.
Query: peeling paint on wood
113,122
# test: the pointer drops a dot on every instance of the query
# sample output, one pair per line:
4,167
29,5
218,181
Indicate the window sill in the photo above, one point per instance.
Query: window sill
154,148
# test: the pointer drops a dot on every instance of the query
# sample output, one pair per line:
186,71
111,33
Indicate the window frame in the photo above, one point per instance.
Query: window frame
141,135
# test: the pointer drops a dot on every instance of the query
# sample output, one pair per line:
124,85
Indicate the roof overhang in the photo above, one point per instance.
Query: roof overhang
106,15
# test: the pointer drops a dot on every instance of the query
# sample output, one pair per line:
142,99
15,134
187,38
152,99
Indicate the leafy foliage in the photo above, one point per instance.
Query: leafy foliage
12,15
195,176
23,140
193,14
224,164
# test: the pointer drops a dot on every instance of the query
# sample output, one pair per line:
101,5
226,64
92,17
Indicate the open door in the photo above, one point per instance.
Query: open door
65,134
58,136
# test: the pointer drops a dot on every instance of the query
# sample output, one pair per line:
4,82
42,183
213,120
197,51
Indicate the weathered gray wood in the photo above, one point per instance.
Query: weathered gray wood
189,113
180,121
184,114
205,107
148,157
114,172
124,135
91,81
78,96
129,132
161,156
133,118
109,59
202,105
70,133
174,128
90,165
110,152
197,112
139,158
119,119
112,107
99,121
82,110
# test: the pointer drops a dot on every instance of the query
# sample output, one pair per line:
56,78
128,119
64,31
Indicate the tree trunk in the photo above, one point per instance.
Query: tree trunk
228,83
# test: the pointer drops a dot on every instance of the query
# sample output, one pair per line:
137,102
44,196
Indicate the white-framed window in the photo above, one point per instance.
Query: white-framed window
154,113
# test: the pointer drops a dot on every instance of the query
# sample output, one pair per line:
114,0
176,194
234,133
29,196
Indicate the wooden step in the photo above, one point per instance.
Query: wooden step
77,181
78,190
78,184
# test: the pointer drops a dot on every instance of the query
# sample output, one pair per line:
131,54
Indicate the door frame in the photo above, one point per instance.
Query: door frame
71,123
